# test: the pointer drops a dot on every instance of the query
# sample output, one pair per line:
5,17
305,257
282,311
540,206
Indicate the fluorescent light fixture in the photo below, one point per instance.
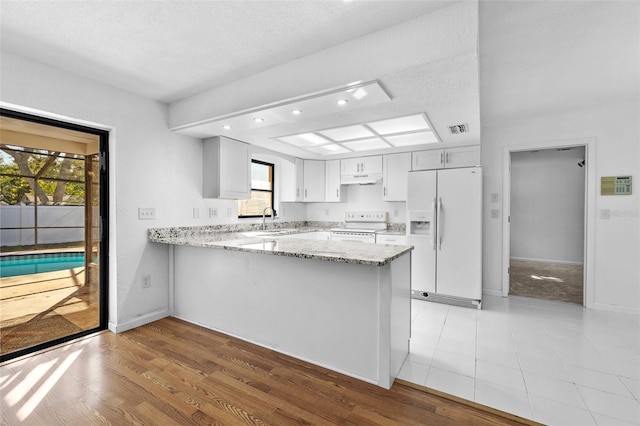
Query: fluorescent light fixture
304,140
296,111
367,144
412,139
342,102
258,120
226,127
410,123
347,133
330,149
360,93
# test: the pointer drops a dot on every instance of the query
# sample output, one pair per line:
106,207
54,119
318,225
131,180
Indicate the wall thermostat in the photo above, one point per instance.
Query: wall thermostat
615,185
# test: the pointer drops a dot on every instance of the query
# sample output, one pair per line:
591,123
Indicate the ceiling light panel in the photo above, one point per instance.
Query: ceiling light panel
304,140
347,133
412,139
410,123
367,144
328,149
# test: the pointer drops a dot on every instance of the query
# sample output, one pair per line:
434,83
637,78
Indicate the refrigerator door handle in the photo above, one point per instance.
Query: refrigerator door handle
439,221
433,218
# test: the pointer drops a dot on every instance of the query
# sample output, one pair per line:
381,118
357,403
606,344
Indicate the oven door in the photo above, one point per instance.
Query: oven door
360,237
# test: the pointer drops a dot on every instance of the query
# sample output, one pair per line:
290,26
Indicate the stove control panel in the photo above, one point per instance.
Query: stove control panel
369,217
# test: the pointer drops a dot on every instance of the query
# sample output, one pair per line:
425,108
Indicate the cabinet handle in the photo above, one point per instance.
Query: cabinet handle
305,193
297,192
442,158
337,193
385,191
447,158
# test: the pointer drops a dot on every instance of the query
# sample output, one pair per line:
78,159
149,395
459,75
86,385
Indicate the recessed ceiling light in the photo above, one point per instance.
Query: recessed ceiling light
258,120
342,102
226,127
296,111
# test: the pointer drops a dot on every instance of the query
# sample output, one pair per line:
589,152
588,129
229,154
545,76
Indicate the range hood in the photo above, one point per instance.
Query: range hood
363,179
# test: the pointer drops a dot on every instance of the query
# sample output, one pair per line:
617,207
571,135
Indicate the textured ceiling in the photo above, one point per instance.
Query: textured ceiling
169,50
213,58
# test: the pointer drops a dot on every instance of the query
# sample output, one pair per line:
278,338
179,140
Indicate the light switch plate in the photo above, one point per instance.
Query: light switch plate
146,213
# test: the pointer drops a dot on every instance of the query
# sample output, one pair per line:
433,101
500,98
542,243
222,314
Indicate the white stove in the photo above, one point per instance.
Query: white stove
361,227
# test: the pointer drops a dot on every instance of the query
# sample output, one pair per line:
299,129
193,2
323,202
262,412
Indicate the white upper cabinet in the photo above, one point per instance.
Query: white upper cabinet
466,156
395,173
362,165
226,169
299,180
333,191
313,180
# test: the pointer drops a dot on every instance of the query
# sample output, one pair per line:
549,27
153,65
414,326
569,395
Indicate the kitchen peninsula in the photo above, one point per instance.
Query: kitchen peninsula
338,304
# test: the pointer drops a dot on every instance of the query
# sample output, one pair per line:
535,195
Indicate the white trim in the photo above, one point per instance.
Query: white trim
555,262
615,308
589,211
489,292
139,321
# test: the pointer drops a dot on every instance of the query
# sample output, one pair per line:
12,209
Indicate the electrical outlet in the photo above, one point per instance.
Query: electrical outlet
326,212
495,213
146,213
495,197
146,281
213,212
396,212
196,212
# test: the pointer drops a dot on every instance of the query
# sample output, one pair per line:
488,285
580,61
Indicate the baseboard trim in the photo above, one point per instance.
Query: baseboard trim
557,262
141,320
614,308
488,292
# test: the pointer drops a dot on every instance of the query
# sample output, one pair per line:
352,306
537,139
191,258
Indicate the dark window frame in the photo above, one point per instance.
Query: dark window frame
104,240
272,190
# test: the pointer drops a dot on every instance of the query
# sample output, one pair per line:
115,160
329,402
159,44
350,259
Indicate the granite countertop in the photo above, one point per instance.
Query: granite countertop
275,242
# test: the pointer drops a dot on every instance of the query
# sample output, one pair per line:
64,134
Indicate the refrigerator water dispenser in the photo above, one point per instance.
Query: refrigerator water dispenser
420,223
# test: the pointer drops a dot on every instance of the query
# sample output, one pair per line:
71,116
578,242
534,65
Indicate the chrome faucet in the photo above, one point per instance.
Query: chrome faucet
264,215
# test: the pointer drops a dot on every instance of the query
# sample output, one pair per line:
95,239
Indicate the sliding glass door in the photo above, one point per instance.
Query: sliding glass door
53,207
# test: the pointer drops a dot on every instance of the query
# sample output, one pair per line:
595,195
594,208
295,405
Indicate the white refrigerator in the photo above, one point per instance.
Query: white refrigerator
444,224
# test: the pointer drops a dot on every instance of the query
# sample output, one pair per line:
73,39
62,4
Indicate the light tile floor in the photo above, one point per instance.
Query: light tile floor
553,362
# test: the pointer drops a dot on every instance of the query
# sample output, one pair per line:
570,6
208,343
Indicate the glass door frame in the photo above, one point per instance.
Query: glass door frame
104,227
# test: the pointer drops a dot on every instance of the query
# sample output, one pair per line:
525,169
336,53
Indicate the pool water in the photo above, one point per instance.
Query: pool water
26,264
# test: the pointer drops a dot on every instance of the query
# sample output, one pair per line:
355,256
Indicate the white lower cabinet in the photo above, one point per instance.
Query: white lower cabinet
400,240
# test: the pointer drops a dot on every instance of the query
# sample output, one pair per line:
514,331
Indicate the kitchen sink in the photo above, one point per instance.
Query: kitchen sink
263,245
268,232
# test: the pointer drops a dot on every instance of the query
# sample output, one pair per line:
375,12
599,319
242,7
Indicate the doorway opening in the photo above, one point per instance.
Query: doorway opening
547,224
53,228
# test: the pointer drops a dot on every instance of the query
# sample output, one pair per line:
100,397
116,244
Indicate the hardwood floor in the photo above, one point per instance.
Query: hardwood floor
172,372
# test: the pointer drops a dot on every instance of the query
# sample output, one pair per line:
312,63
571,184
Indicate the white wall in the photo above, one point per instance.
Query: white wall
150,166
358,198
547,205
555,71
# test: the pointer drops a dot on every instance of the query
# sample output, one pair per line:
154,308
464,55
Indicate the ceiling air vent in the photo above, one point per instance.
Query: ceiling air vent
458,128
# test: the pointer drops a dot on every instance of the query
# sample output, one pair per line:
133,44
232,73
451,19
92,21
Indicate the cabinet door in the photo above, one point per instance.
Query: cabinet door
333,191
394,177
427,160
399,240
299,177
313,180
466,156
350,166
227,169
371,164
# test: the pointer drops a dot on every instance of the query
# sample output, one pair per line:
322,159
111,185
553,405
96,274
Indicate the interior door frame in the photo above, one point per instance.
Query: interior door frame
590,192
26,114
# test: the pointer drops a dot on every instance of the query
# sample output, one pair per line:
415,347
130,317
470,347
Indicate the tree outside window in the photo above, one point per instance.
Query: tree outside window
262,191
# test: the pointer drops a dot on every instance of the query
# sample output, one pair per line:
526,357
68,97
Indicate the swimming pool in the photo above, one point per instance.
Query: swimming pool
25,264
